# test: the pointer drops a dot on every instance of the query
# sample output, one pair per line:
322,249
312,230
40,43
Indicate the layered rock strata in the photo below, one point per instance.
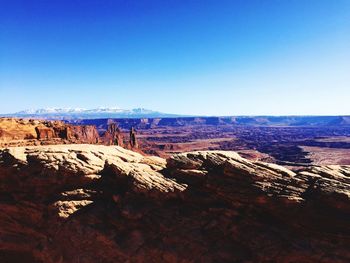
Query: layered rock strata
23,132
93,203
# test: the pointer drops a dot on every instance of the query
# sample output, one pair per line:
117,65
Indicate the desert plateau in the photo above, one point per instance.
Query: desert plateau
286,140
152,131
63,200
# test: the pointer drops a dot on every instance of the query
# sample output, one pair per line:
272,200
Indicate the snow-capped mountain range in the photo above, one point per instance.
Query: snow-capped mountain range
81,113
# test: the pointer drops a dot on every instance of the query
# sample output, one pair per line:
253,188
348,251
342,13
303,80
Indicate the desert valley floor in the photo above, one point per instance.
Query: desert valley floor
287,141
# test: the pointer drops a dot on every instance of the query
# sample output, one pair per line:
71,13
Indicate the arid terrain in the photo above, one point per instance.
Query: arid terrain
313,142
145,131
21,132
291,141
94,203
26,132
74,193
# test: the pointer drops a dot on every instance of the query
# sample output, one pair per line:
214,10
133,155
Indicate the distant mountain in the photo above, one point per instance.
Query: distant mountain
79,113
141,117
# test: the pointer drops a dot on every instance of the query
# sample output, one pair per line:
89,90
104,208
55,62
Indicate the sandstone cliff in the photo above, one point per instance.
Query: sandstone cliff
113,136
22,132
91,203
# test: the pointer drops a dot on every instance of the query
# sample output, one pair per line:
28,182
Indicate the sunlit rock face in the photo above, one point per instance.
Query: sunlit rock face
25,132
94,203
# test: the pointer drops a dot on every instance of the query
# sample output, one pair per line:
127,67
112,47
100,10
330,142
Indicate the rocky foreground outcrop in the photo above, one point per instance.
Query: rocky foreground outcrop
90,203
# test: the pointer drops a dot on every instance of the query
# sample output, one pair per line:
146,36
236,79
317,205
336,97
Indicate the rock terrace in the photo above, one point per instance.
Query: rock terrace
94,203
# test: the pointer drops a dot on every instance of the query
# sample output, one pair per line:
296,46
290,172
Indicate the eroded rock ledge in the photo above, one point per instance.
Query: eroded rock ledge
90,203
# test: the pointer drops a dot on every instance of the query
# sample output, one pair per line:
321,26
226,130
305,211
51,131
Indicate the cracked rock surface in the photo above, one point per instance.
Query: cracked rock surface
93,203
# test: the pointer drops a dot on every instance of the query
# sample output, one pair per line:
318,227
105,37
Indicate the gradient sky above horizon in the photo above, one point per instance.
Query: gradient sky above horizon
185,57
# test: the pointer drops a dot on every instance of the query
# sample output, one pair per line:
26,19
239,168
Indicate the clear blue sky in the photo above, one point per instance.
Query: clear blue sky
188,57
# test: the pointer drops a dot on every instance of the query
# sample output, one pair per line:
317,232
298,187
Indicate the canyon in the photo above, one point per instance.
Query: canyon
20,132
26,132
317,141
293,141
94,191
139,131
281,121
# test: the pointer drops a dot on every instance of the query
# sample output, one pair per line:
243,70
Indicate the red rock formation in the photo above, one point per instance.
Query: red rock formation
19,132
133,141
92,203
45,133
113,135
82,134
